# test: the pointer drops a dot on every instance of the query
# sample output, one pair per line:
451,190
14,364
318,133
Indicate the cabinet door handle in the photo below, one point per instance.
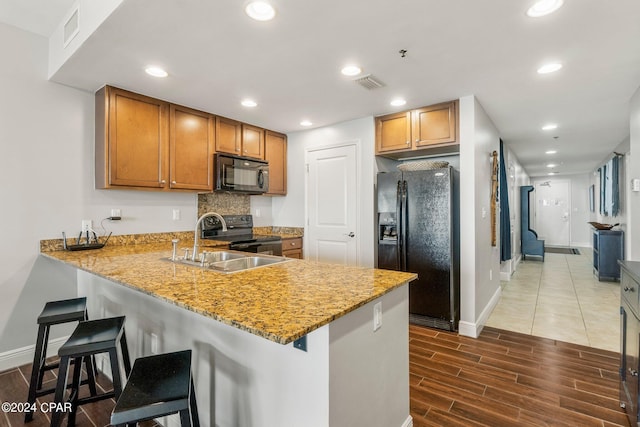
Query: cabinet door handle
628,289
633,372
173,182
163,182
408,142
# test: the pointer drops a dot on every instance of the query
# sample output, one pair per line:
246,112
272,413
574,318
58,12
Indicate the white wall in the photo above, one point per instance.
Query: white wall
46,170
633,207
478,259
289,211
90,15
580,214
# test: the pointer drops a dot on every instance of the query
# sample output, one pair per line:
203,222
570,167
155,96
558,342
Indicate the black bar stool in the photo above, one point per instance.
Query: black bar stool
90,338
54,313
159,385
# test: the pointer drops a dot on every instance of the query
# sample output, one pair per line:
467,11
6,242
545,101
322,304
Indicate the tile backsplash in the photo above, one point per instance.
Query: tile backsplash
224,203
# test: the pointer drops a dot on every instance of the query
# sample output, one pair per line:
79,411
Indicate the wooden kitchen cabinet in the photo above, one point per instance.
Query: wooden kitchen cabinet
191,147
434,125
146,143
131,140
292,247
423,131
228,136
239,138
393,132
252,141
275,152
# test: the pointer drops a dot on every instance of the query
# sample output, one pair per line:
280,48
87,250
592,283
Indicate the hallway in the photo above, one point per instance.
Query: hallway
561,299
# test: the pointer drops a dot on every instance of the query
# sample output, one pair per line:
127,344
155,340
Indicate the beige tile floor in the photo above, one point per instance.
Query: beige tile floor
561,299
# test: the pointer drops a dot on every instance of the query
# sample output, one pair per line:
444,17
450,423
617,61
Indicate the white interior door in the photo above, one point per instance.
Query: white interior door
553,209
332,202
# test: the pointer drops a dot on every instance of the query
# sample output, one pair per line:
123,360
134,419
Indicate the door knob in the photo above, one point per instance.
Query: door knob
352,234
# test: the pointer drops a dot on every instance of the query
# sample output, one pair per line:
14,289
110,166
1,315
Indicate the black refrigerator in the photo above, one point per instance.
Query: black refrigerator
418,231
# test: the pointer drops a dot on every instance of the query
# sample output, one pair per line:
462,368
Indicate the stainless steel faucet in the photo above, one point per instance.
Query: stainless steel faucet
194,256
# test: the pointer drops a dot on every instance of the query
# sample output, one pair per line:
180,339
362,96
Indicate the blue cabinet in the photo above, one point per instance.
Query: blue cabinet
608,248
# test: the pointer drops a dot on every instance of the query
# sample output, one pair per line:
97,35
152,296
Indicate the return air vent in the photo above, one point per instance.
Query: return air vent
369,82
71,28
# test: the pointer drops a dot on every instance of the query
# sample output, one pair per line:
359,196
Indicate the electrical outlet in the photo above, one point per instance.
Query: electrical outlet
257,213
176,214
490,274
377,316
86,225
154,343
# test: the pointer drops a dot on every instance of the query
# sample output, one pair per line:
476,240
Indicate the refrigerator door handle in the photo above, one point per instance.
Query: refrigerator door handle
405,221
399,225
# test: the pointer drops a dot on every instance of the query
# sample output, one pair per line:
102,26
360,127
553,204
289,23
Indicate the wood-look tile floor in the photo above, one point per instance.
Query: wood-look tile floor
507,378
502,378
14,387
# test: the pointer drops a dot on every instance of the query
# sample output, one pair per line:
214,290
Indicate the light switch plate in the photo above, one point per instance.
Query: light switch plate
377,316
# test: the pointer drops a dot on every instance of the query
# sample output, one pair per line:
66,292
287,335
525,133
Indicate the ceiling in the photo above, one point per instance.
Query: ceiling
216,56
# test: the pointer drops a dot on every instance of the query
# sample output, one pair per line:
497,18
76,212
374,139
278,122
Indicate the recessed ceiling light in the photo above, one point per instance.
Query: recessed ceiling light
249,103
549,68
305,123
550,152
544,7
156,72
551,173
351,70
260,11
551,165
398,102
550,126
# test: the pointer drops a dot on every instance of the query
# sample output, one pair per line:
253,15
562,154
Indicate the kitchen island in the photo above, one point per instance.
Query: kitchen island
242,326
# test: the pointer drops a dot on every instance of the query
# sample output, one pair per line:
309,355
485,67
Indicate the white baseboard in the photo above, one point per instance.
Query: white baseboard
408,422
23,356
581,245
473,329
505,276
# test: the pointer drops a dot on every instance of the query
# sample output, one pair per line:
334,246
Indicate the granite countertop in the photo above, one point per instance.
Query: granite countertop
282,302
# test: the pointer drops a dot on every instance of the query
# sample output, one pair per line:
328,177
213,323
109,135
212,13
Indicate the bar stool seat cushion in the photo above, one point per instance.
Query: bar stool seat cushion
158,385
93,337
63,311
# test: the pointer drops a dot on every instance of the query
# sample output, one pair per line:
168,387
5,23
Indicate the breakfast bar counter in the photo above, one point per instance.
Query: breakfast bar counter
241,327
282,302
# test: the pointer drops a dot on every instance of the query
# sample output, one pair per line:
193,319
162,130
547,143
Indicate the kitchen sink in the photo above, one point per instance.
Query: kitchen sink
231,261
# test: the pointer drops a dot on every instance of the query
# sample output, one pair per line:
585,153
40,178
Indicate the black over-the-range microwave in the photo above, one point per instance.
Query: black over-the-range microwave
240,174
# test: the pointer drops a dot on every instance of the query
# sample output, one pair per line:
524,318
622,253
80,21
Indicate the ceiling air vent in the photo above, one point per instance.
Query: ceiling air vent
369,82
71,28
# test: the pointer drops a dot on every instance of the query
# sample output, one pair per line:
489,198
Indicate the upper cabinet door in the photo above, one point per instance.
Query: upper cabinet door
393,132
228,136
252,141
434,125
137,140
275,152
191,149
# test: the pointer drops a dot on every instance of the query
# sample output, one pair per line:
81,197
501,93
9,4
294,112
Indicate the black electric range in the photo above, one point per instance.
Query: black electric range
240,235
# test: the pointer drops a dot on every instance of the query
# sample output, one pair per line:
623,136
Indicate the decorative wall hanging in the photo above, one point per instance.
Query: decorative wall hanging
494,195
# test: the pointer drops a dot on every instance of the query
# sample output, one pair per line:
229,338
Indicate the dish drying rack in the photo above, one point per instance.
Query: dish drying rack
91,242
